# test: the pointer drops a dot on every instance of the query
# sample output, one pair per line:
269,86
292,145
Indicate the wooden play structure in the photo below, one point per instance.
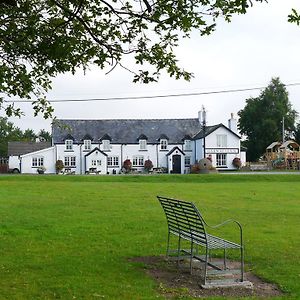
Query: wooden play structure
283,155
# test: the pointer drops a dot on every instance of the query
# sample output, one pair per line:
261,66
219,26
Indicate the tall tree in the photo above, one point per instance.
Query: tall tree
261,119
29,135
8,132
45,135
42,38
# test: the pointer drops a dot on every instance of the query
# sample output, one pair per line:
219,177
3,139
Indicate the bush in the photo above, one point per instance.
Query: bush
195,168
237,162
59,165
127,165
148,165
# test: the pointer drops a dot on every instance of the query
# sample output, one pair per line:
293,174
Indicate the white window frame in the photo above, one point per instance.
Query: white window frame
70,161
221,160
87,145
69,145
138,161
143,144
106,145
163,144
96,162
187,145
222,140
113,161
187,160
37,161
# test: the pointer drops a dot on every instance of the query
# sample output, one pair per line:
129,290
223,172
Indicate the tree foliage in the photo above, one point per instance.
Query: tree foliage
44,135
42,38
10,133
294,17
261,119
29,135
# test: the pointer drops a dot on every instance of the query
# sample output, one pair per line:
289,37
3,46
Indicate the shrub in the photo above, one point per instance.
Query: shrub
237,162
195,168
127,165
148,165
59,165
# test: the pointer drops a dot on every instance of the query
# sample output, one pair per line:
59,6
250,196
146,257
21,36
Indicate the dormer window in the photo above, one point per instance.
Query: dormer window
87,142
187,146
106,145
69,145
163,144
143,144
87,145
106,139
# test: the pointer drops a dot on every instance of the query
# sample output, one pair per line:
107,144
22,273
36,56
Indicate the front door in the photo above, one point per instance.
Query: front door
176,164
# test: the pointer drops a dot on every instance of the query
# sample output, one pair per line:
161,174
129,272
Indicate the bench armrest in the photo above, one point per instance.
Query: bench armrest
227,222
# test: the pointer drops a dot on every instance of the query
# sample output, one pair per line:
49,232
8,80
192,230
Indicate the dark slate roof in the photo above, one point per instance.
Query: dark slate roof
20,148
126,131
87,137
163,137
105,137
142,137
68,137
211,129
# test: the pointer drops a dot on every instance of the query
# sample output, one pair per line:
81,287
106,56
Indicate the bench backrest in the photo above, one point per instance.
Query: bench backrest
184,219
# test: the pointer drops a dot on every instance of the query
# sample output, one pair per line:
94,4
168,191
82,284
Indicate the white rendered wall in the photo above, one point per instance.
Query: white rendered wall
77,152
97,156
49,161
131,150
233,143
243,158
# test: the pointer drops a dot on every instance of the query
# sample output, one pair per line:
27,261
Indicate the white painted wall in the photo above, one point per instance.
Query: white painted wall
98,157
49,161
233,142
61,153
243,158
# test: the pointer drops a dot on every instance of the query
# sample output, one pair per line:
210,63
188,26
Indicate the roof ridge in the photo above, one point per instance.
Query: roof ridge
152,119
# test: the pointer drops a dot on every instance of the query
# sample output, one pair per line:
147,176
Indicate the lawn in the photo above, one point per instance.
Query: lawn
71,237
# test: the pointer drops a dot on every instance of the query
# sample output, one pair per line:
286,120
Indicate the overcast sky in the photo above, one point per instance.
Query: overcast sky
245,53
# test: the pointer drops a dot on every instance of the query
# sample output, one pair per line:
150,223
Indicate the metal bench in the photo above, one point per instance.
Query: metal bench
185,221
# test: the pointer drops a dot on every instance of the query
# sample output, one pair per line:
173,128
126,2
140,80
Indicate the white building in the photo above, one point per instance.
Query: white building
17,149
103,145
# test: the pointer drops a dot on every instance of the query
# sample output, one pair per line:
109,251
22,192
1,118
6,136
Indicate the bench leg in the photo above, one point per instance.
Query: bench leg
191,257
178,251
205,265
242,264
168,244
225,266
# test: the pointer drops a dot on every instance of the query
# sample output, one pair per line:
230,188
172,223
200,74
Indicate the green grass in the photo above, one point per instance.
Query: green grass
71,237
